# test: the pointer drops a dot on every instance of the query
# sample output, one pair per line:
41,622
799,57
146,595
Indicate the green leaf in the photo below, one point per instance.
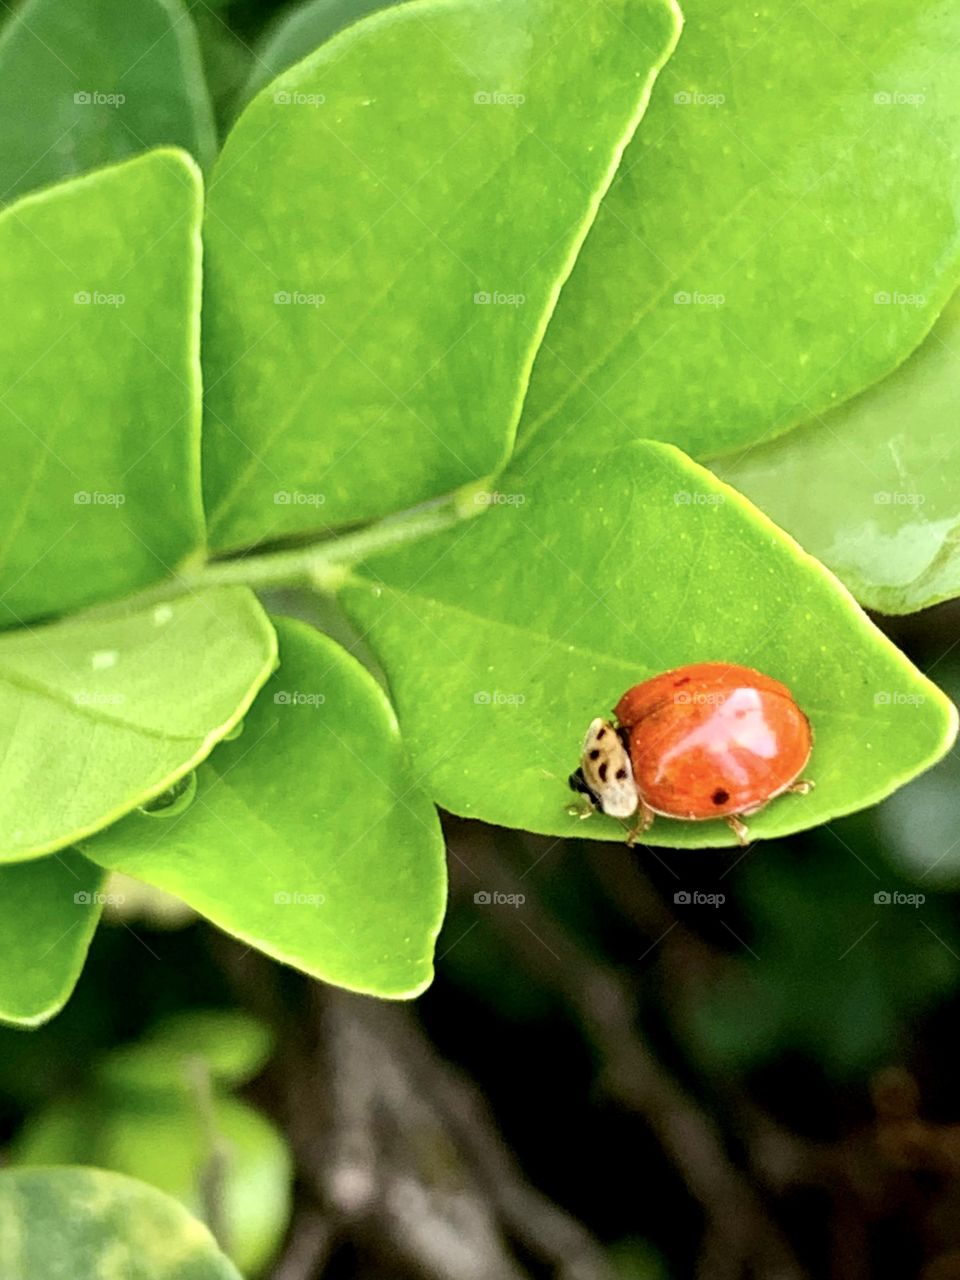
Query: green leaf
352,364
226,61
299,31
100,715
796,163
168,1145
232,1045
917,827
84,83
342,855
99,385
88,1224
597,571
872,487
50,912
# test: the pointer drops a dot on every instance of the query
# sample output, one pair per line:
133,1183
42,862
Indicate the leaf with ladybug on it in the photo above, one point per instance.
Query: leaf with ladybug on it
593,572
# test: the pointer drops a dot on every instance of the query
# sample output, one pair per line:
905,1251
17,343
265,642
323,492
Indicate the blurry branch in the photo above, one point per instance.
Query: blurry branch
307,1249
399,1150
413,1154
529,1217
926,1157
866,1174
904,1139
214,1170
777,1158
685,953
603,1003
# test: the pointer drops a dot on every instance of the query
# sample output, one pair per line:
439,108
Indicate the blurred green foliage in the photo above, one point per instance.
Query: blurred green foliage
159,1110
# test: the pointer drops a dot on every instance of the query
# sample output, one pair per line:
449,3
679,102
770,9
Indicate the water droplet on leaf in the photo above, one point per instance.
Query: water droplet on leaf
175,800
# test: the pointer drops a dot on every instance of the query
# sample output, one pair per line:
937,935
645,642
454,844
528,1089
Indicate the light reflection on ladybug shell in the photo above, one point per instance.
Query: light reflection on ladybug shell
712,739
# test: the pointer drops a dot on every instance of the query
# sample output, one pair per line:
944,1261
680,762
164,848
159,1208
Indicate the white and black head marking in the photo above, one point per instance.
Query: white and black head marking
605,775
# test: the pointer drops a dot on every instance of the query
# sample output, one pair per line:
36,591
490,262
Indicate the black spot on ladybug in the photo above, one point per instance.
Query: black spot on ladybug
682,680
621,774
594,754
720,796
603,771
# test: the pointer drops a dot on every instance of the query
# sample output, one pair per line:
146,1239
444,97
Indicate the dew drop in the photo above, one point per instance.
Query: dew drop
175,800
103,659
162,614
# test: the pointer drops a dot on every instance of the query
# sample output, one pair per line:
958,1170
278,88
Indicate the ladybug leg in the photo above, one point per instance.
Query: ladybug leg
644,822
738,827
802,787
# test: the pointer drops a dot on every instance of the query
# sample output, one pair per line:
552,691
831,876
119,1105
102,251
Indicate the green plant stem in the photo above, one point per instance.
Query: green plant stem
324,566
213,1173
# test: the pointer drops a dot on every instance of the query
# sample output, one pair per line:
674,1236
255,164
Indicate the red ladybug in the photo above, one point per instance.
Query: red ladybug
710,740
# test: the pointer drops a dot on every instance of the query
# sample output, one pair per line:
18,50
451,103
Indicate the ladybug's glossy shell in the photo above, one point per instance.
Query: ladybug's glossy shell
713,739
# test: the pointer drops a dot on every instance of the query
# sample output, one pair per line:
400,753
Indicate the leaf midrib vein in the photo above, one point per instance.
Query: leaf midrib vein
820,712
23,683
